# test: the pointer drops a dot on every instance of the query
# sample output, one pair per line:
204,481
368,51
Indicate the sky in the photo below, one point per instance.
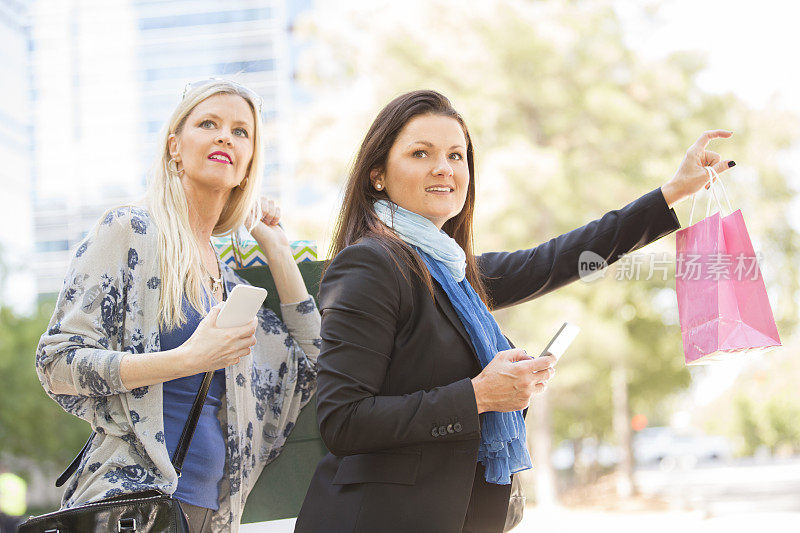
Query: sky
749,44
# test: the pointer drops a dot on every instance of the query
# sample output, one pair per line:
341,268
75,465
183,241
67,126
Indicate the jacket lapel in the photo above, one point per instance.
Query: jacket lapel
443,302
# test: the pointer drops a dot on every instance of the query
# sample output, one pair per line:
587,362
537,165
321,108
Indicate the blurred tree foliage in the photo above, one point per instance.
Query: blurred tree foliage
568,122
31,424
764,411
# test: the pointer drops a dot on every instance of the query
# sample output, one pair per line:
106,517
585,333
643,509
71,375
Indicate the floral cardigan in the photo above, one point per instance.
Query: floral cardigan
109,307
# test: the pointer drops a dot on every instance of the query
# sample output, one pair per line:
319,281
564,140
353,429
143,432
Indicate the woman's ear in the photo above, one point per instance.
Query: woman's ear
376,178
172,145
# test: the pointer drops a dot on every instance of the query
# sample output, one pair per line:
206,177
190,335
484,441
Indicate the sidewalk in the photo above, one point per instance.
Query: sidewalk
569,520
276,526
564,520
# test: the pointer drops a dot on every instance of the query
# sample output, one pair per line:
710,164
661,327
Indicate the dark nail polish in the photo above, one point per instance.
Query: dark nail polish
731,164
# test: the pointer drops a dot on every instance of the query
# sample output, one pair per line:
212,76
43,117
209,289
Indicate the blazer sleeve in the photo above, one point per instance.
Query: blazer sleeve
362,309
516,277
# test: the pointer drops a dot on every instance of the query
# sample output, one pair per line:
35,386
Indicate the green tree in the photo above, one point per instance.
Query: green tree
748,426
568,123
31,424
764,411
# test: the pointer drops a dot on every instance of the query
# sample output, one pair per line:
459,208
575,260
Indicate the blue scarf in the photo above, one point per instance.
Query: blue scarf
502,448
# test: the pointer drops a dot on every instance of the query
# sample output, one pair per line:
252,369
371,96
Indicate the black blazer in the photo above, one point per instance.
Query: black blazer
395,402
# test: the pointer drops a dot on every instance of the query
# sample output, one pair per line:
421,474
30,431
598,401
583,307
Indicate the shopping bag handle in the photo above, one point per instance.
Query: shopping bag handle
713,179
238,257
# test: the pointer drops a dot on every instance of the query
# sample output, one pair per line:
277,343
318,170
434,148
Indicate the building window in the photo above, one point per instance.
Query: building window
235,67
230,67
47,297
199,19
52,246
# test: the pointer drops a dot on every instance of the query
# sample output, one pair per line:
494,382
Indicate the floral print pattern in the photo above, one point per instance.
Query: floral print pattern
108,309
306,307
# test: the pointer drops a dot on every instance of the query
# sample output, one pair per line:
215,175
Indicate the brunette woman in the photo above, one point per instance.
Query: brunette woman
420,395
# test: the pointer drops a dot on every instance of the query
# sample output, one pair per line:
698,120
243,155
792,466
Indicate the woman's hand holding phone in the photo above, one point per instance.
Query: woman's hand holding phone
510,379
211,347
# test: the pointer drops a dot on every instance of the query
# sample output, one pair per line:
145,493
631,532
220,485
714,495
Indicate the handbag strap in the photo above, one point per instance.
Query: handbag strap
65,475
191,423
183,442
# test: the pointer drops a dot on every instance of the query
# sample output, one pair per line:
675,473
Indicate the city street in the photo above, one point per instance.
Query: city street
744,486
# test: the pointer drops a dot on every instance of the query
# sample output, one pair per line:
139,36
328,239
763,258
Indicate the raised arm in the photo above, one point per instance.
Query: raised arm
515,277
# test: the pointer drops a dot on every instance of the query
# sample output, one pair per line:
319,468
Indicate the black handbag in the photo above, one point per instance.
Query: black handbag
144,511
516,505
517,500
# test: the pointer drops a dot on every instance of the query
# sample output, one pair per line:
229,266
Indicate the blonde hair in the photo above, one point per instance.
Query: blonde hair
182,271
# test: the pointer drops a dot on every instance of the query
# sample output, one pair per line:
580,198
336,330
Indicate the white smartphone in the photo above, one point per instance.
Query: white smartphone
561,341
241,307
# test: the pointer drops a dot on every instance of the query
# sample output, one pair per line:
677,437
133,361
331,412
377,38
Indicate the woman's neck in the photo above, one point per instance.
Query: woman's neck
205,208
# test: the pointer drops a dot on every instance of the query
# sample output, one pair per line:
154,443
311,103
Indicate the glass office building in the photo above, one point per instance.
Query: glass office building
16,141
107,75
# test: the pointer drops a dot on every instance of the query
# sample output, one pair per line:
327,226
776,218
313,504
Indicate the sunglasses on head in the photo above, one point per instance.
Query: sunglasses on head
257,100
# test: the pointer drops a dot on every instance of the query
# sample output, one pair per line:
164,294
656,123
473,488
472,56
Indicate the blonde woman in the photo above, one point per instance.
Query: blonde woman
134,328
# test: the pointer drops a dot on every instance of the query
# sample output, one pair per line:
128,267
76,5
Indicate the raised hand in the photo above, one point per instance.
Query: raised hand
267,230
691,174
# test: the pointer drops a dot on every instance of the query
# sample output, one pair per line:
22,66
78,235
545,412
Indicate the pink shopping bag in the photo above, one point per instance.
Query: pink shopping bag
722,301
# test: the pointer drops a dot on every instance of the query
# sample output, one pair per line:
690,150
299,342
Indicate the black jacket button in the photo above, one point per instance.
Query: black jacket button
458,427
435,432
450,428
443,430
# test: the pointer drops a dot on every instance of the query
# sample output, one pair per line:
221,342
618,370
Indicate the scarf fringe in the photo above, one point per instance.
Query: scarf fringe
505,453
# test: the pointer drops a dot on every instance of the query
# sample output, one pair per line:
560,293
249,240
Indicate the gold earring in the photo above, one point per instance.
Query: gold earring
174,171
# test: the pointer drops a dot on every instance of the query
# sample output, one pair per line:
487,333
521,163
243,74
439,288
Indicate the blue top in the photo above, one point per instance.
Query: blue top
204,465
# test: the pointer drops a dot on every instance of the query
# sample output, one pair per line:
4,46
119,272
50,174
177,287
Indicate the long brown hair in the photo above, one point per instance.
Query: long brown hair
357,218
